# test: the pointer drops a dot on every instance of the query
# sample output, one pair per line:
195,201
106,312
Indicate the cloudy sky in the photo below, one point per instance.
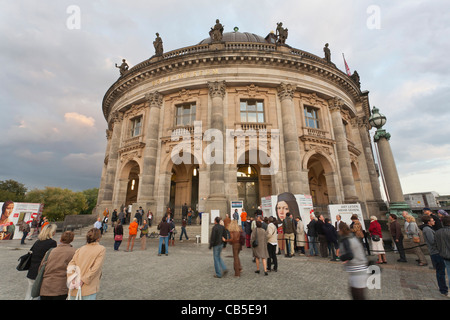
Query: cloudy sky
56,69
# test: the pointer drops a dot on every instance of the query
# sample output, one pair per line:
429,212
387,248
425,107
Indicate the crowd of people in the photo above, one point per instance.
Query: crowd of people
69,271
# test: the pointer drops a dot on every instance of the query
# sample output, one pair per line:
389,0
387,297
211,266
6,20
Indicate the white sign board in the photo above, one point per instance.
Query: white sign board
236,205
10,220
346,211
214,214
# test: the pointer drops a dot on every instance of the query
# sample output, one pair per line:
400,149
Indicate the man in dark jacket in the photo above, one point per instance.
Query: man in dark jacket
323,243
312,236
397,236
289,234
218,236
331,235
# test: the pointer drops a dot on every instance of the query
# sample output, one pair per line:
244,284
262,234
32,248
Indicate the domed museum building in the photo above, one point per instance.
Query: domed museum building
236,117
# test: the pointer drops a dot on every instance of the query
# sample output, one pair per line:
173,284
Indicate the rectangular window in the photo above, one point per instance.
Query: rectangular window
252,111
185,114
312,117
136,125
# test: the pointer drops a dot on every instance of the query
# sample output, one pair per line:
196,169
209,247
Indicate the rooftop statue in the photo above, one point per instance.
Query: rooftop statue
123,68
216,32
355,77
158,44
327,53
281,34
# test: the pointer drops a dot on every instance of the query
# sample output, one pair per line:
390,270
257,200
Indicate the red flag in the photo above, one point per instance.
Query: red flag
346,66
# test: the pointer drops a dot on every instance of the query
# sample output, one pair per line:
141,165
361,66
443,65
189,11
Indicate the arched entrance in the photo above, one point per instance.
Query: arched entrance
184,187
320,180
248,187
130,175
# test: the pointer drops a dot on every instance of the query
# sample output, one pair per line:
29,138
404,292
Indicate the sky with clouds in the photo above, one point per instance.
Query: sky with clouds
54,76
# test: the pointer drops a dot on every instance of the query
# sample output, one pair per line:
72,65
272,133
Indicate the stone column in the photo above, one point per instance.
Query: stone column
147,182
101,190
343,156
217,199
290,138
113,157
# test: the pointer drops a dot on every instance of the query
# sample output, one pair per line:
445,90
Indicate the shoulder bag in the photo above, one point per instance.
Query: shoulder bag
36,289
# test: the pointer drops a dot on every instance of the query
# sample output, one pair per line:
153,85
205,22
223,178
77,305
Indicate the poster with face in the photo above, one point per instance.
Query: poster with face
13,214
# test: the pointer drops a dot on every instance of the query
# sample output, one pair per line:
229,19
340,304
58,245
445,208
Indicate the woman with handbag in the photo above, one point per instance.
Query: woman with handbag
259,244
118,235
40,247
377,239
412,232
144,234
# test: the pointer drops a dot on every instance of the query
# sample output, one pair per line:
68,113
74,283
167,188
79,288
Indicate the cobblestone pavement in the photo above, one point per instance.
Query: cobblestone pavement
187,274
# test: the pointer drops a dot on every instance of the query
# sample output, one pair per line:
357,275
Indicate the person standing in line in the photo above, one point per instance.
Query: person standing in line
218,236
331,235
272,242
248,232
300,234
377,245
190,214
437,221
54,286
144,234
412,232
312,236
442,237
118,235
132,233
323,244
98,224
355,261
88,263
183,230
164,228
39,249
397,236
234,239
260,251
289,234
436,259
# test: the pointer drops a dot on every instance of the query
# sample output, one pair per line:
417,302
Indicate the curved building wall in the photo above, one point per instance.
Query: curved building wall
314,113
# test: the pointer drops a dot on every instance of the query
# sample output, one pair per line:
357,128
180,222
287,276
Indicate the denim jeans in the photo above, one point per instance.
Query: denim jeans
183,231
219,265
313,246
447,266
166,243
439,264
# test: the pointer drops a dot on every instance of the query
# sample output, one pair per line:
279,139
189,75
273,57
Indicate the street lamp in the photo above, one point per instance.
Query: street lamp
397,202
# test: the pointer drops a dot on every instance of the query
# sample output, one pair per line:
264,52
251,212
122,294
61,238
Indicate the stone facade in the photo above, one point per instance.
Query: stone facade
317,115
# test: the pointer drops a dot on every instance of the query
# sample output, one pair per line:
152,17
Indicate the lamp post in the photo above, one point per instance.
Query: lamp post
397,202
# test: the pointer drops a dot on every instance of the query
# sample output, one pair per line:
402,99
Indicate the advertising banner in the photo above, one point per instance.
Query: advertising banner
13,213
346,211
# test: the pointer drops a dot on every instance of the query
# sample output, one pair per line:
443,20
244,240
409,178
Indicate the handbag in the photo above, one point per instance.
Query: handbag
118,237
416,239
36,288
24,262
255,243
375,237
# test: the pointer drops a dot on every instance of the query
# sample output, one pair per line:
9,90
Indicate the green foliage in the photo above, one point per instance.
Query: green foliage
12,190
91,196
58,202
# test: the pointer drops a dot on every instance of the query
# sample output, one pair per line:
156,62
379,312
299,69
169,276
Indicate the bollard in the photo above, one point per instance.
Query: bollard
198,238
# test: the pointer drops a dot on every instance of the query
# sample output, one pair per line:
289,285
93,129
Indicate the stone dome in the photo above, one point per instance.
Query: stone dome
237,37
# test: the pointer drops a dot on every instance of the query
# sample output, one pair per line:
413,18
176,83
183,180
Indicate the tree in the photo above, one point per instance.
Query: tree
58,202
12,190
91,196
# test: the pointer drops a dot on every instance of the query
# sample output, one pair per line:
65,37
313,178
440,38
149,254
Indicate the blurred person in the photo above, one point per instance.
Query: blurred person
132,233
260,251
355,262
397,236
412,232
234,239
442,238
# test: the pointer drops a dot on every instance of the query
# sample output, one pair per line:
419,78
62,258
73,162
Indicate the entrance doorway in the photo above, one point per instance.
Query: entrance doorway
248,187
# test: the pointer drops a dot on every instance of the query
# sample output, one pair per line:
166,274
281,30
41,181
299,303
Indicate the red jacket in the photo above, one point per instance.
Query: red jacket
133,228
375,228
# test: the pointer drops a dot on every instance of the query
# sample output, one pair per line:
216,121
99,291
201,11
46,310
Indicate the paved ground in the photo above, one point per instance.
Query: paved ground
187,274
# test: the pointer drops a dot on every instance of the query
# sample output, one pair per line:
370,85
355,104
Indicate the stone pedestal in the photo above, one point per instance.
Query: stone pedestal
205,228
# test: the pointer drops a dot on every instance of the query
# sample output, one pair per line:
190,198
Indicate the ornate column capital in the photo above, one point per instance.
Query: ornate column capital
155,99
286,91
335,104
217,89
